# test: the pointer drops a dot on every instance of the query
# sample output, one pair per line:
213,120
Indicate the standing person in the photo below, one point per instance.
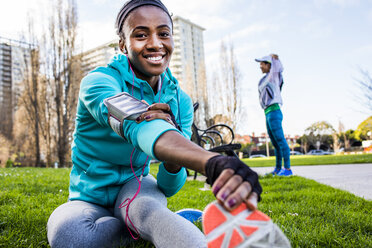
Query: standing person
112,197
269,89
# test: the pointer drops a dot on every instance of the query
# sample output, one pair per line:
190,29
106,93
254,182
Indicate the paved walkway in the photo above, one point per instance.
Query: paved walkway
355,178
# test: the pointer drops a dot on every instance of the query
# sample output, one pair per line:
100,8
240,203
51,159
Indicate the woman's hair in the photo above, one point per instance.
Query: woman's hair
131,5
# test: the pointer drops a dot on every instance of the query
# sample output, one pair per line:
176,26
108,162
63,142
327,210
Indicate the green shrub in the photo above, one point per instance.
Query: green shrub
9,164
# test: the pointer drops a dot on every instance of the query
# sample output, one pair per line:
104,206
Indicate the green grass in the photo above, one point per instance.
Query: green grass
312,160
309,213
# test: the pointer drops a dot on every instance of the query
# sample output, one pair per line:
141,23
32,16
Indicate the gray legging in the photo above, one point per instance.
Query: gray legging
82,224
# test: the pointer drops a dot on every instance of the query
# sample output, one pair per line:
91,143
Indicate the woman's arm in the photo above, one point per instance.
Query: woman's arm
230,188
232,181
275,70
173,148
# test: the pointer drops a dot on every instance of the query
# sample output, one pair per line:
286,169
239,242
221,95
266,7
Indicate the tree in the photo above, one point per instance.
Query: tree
46,115
319,133
202,95
26,126
226,93
337,137
303,141
66,72
30,98
246,149
197,89
5,148
364,96
348,138
363,129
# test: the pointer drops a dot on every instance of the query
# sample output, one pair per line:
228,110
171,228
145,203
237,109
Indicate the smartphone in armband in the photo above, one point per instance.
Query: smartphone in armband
123,107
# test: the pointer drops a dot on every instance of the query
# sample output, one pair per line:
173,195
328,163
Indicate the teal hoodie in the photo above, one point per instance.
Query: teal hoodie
101,158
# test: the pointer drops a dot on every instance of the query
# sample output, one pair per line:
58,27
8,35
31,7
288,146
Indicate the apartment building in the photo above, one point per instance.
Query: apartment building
14,64
99,56
188,55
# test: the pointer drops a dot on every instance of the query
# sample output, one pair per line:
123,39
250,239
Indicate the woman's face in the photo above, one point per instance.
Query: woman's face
148,41
265,67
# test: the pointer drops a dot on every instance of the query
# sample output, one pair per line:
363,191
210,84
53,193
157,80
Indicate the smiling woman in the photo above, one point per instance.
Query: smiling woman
147,41
112,198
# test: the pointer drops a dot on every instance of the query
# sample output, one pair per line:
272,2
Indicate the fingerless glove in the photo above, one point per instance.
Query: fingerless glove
217,164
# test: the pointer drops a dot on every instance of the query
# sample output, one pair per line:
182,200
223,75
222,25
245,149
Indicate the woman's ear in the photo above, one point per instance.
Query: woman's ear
122,46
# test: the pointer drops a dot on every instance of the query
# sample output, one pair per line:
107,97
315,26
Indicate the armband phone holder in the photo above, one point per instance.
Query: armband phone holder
123,107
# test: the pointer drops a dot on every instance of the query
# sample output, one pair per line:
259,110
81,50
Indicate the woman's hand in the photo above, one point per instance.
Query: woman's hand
233,182
158,111
274,56
230,190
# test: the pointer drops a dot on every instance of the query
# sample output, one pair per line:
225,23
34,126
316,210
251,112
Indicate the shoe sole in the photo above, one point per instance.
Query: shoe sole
240,228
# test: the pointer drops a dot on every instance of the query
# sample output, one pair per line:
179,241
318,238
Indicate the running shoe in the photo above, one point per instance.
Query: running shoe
274,172
285,172
240,228
193,215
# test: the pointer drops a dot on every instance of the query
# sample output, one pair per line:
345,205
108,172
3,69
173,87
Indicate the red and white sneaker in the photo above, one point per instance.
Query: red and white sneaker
240,228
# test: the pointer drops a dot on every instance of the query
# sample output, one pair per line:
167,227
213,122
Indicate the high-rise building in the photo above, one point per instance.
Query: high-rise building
188,56
99,56
14,65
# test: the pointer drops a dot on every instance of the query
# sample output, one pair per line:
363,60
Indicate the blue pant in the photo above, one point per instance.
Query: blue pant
274,128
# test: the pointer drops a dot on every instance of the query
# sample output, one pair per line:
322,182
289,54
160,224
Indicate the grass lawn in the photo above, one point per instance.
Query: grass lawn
309,213
312,160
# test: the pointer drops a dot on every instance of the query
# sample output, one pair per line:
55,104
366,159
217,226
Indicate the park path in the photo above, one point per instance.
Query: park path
355,178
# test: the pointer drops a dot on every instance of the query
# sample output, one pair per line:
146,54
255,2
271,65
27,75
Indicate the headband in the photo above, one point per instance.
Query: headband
131,5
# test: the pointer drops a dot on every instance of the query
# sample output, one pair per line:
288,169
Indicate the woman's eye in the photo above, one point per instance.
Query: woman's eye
164,34
140,35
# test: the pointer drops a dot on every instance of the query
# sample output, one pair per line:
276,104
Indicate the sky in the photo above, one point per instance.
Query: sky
323,45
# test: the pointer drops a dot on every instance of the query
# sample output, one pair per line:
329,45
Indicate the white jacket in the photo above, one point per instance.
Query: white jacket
269,87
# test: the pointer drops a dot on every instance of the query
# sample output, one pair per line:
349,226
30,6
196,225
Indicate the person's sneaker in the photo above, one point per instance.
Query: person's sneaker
240,228
285,172
274,172
193,215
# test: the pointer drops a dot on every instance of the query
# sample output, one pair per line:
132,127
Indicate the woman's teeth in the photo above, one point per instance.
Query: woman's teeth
155,58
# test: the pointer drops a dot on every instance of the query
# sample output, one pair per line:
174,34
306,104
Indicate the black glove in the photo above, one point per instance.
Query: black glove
217,164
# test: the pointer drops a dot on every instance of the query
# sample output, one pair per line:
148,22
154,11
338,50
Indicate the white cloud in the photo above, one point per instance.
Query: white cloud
195,6
345,3
94,34
242,37
369,16
14,17
340,3
253,29
100,2
317,28
362,51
